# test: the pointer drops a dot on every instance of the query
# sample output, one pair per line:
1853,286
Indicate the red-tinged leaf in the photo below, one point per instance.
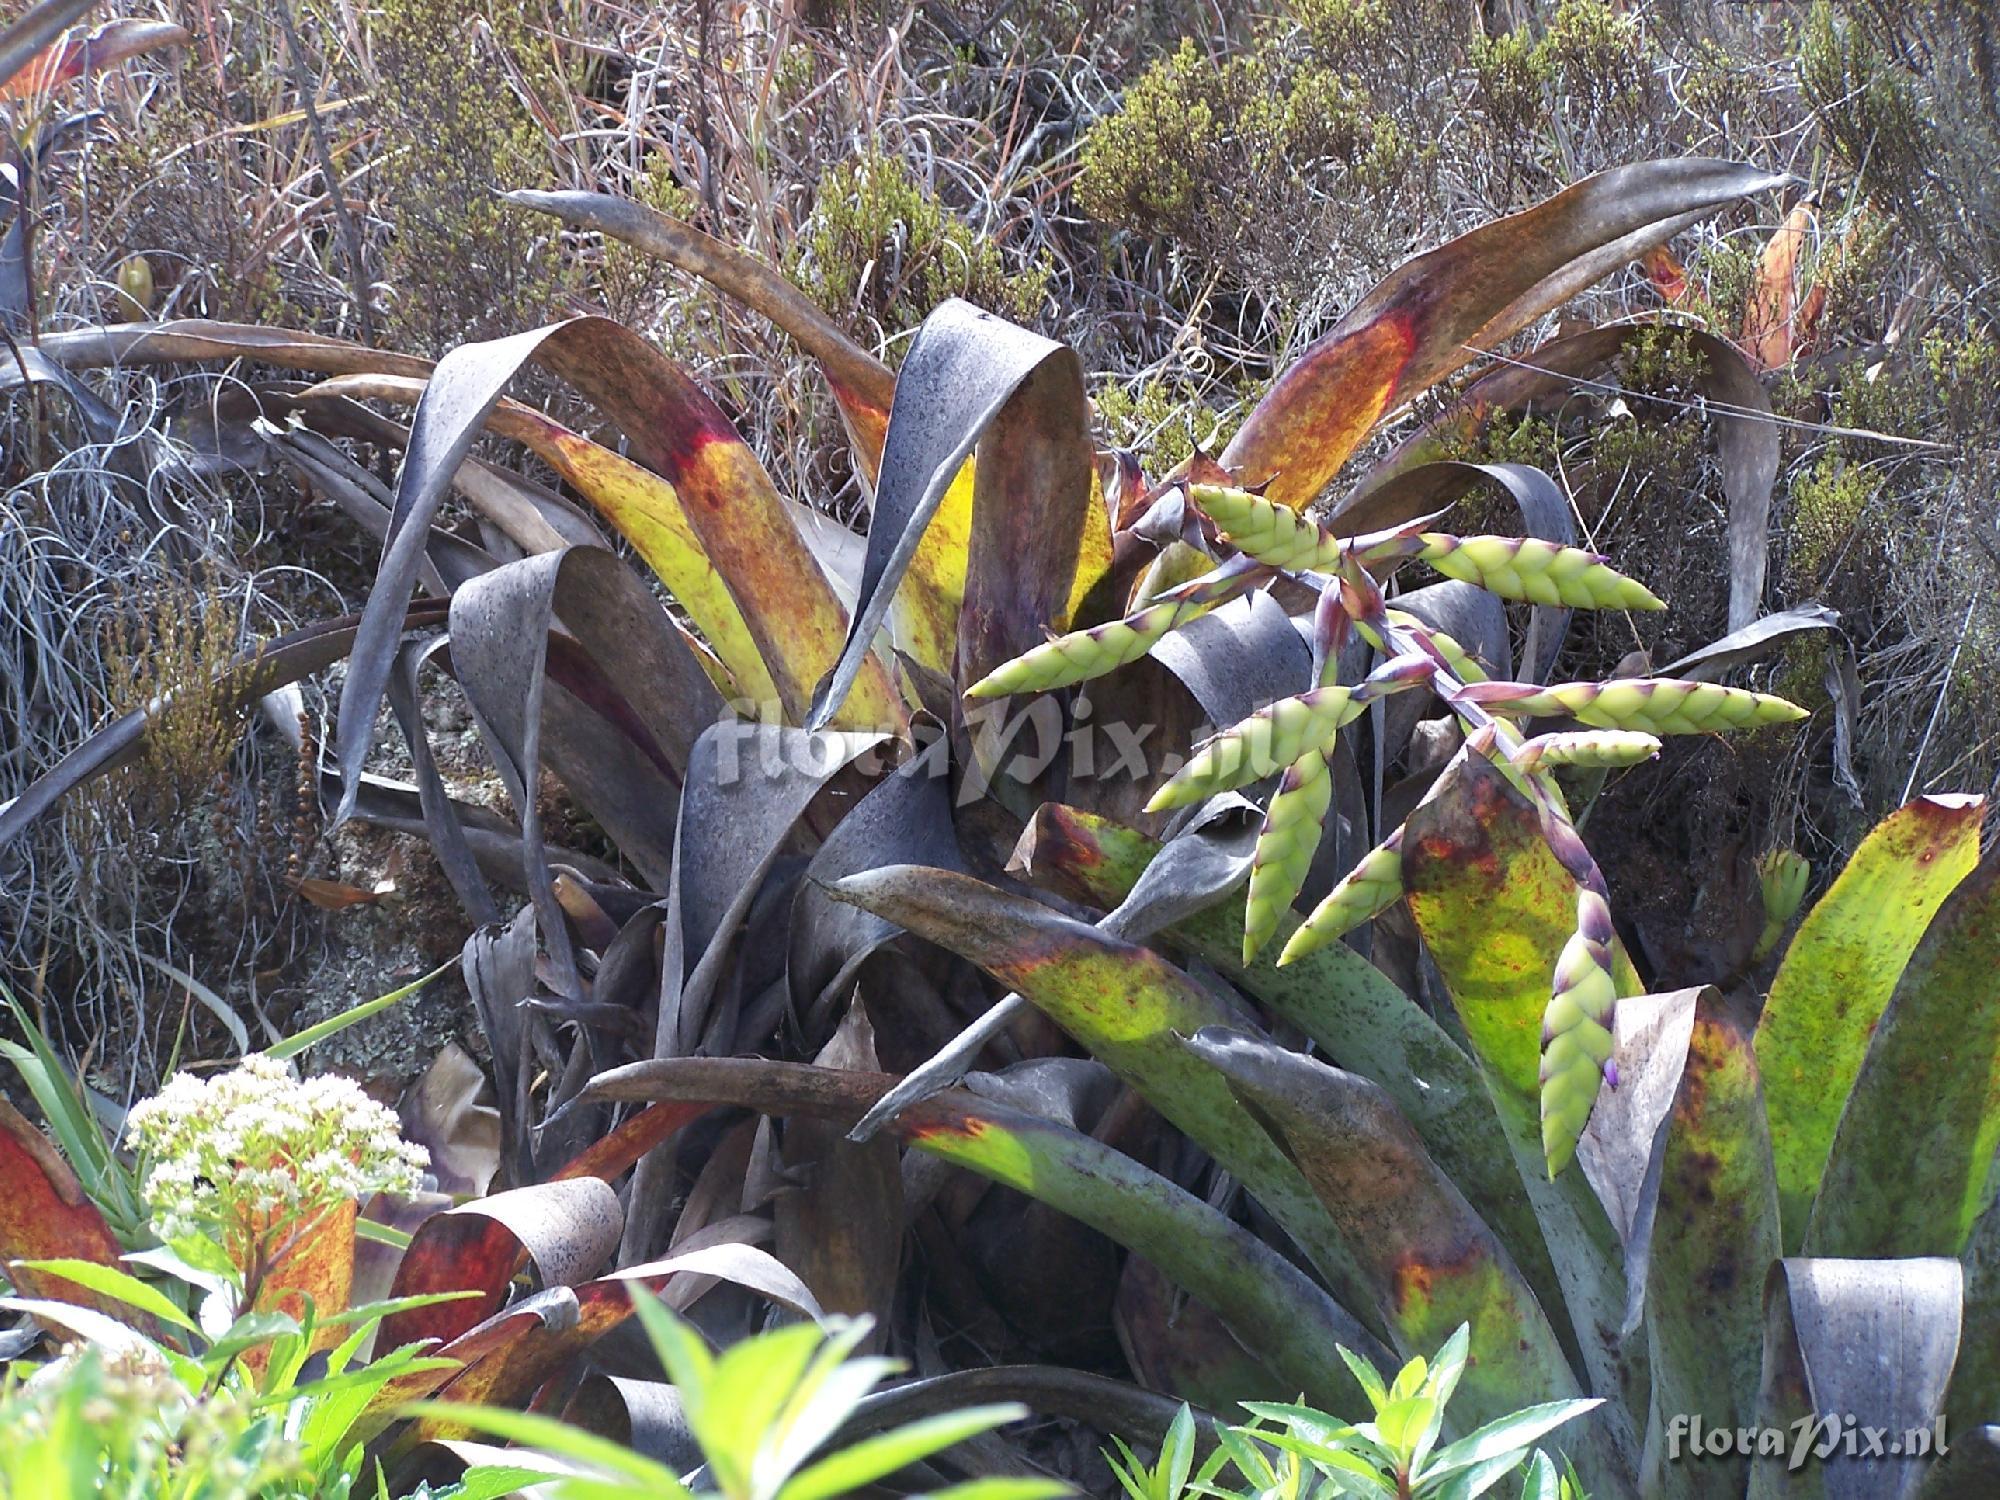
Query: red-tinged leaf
1282,1316
1430,1261
320,1267
37,29
1126,1006
74,56
674,430
1435,312
644,508
1769,331
274,664
1911,1166
468,1351
1494,909
1668,276
568,1230
972,379
1408,482
614,1155
566,1321
46,1215
1838,975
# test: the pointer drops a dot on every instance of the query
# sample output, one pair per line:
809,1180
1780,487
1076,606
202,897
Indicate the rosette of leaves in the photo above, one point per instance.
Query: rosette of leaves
792,909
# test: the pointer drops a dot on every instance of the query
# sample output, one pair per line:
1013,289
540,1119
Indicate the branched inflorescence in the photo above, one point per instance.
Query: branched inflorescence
1292,738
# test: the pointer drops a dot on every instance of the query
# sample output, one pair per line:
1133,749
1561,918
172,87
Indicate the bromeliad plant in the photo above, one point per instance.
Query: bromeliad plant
773,911
1295,735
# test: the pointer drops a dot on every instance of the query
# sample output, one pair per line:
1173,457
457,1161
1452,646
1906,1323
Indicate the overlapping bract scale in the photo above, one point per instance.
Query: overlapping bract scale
1542,572
1084,654
1576,1031
1371,887
1261,745
1285,847
1590,747
1649,705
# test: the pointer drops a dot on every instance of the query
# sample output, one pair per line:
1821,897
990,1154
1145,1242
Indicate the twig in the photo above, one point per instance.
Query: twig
349,235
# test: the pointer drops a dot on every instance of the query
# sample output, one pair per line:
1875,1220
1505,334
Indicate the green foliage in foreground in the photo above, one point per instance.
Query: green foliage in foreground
1294,1450
762,1414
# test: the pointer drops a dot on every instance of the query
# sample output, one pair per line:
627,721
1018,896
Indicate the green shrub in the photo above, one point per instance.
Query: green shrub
880,251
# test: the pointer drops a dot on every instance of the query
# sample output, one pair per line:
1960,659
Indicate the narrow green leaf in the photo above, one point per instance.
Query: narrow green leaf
547,1435
354,1015
1911,1164
1517,1432
111,1282
878,1457
1837,978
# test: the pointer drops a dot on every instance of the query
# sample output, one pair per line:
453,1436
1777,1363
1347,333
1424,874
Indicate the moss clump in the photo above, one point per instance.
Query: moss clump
881,251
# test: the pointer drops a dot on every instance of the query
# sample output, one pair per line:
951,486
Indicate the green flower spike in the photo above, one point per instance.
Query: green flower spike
1367,890
1591,747
1650,705
1260,745
1576,1031
1285,847
1526,567
1084,654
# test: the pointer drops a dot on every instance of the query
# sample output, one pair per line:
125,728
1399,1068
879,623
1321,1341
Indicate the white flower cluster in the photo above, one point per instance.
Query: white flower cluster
250,1154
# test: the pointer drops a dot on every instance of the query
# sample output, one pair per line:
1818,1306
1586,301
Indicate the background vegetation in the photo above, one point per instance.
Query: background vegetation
1186,194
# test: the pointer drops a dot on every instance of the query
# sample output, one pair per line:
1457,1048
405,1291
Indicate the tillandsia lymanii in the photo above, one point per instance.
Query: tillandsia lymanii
1293,737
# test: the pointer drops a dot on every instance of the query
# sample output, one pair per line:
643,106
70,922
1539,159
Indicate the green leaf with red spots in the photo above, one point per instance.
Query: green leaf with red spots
1495,909
46,1215
1350,1010
1126,1006
1435,312
1279,1313
1713,1234
1838,975
1429,1260
1911,1167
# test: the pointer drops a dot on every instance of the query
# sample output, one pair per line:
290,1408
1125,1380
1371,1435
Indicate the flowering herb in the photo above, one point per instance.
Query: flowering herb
251,1159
